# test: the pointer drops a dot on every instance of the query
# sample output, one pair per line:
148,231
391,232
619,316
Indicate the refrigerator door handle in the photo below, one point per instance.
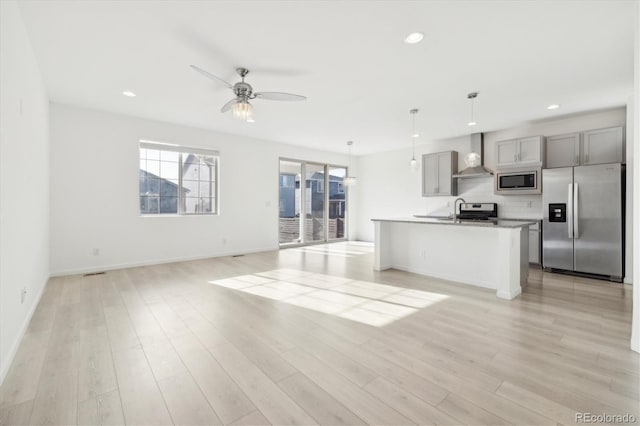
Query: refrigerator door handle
570,210
576,215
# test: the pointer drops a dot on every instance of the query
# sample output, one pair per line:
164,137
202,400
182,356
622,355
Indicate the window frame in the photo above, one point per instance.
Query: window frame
214,185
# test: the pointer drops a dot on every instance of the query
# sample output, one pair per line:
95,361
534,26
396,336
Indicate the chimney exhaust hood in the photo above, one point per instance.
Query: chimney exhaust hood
475,159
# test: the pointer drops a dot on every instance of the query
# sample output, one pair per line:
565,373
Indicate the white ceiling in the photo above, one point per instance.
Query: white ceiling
348,57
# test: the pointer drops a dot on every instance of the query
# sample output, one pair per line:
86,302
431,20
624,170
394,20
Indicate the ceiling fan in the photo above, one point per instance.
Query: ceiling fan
240,105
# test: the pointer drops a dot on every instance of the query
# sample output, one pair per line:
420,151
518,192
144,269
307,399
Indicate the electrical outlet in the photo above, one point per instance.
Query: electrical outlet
95,251
23,295
529,203
224,241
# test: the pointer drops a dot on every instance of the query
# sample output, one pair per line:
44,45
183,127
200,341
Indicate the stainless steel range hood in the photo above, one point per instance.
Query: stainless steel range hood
475,168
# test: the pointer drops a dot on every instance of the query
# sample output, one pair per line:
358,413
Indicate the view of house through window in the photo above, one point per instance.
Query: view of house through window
177,180
322,204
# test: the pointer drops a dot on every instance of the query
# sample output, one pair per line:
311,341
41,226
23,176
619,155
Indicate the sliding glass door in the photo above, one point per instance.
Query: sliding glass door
337,194
313,209
290,202
314,203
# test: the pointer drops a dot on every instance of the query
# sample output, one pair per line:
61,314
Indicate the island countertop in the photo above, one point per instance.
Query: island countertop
491,223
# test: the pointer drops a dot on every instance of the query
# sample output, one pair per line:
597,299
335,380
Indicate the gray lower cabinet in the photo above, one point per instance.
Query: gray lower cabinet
535,243
437,174
601,146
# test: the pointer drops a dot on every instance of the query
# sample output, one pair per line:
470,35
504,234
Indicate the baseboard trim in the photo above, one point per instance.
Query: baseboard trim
474,283
98,268
23,329
509,295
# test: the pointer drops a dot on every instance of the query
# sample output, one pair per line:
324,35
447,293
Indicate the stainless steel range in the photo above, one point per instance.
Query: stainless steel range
478,211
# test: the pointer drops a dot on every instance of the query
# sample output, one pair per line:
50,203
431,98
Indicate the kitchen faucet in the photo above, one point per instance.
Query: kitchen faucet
455,204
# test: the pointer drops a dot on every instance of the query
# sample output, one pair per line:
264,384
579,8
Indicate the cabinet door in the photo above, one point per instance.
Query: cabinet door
444,173
534,247
530,151
506,153
603,146
563,150
429,175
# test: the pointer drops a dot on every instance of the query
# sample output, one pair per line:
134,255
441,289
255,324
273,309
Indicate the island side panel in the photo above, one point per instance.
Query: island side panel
514,253
382,246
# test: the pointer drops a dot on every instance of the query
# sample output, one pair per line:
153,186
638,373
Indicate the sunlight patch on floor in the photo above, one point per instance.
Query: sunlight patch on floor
346,249
362,301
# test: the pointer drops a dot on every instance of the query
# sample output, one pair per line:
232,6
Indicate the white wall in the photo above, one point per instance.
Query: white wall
388,188
24,182
94,193
635,334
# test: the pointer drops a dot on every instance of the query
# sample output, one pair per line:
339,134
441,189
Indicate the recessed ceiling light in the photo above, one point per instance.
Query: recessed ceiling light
129,93
415,135
414,38
471,123
553,106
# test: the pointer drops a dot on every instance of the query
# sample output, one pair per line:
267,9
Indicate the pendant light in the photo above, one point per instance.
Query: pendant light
472,96
413,163
349,180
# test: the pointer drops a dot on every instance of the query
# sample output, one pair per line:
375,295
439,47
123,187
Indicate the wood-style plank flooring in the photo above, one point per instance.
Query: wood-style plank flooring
314,336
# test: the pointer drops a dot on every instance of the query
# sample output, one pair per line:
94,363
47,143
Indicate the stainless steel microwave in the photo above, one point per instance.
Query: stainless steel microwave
518,181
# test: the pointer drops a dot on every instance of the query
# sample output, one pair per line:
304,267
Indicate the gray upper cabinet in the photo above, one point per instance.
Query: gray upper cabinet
519,152
506,153
437,174
563,150
602,146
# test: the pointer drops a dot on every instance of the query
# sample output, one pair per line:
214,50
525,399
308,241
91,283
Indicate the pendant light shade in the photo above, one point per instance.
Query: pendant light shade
348,179
413,163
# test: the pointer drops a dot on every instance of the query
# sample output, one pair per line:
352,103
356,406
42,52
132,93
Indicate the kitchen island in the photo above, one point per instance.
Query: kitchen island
491,254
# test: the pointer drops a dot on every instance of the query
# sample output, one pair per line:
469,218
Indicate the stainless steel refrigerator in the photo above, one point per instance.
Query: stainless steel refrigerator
583,227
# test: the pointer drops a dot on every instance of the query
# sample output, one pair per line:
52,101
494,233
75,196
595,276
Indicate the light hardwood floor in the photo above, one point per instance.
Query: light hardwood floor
314,336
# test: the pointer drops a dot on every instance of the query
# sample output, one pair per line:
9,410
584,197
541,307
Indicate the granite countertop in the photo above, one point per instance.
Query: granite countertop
494,223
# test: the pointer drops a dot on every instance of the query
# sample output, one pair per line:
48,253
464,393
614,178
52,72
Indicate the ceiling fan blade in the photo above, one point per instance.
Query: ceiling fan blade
279,96
211,76
228,105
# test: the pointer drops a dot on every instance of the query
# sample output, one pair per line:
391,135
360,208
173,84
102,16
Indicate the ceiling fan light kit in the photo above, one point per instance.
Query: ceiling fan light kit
240,106
242,110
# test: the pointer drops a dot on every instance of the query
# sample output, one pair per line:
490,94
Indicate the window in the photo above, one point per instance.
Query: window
177,180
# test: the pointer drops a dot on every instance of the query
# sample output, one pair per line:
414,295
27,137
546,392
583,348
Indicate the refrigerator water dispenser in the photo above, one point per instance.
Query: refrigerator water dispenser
558,212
